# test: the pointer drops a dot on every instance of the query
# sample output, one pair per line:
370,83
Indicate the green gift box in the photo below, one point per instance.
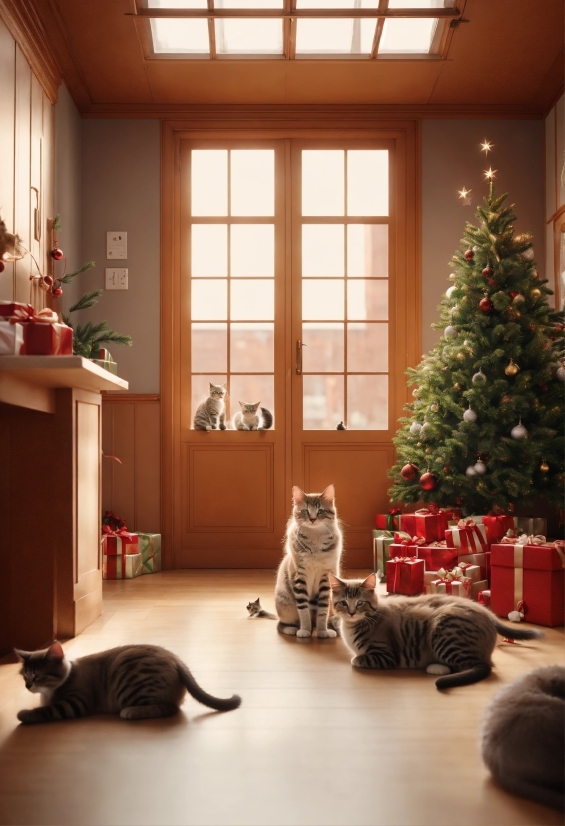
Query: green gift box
382,540
110,366
150,550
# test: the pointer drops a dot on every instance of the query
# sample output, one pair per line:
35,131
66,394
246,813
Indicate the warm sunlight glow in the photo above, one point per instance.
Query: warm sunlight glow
181,36
367,182
252,300
252,182
252,251
322,251
249,36
322,182
209,250
209,182
407,35
343,36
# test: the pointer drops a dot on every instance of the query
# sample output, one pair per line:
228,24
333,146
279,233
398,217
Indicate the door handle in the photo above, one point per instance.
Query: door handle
299,346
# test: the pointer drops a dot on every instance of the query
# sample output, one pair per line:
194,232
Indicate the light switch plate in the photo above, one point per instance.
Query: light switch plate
116,245
116,278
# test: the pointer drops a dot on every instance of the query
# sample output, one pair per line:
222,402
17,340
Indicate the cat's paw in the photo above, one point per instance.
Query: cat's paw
209,427
26,716
222,427
438,669
360,662
328,633
303,632
290,630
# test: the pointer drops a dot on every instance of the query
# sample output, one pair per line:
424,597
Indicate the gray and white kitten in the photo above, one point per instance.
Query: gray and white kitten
252,417
523,736
256,611
313,546
134,681
210,414
445,635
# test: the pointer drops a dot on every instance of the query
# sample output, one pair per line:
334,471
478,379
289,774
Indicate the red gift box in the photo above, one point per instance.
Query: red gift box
497,525
468,537
483,598
405,575
10,308
119,543
437,556
388,521
529,579
482,560
43,335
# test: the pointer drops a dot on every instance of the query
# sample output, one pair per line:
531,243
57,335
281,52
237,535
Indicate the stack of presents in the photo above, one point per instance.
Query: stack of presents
127,554
504,562
28,332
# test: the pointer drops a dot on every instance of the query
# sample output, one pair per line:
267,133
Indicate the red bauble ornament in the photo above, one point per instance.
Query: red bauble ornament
2,266
557,327
429,481
536,274
487,272
492,282
57,291
48,280
513,294
445,468
409,472
469,255
486,304
57,254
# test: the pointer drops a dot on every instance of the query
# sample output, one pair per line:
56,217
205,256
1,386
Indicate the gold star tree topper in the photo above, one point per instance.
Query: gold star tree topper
490,173
486,146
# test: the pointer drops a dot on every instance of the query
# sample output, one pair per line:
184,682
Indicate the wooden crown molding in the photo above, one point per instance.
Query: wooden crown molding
25,26
130,398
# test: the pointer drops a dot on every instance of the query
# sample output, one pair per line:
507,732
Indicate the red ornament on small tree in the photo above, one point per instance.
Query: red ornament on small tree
486,304
409,472
469,255
57,254
488,272
429,481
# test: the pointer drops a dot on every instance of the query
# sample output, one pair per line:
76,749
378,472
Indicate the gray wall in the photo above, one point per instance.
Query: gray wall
121,184
451,159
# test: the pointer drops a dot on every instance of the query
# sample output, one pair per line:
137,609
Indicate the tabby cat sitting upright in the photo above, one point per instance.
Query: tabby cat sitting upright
134,681
210,414
440,633
252,417
313,546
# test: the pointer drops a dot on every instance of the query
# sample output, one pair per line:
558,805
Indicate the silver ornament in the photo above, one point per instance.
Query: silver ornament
450,331
449,292
415,428
424,429
527,255
452,276
479,378
560,373
480,468
519,431
518,299
471,471
470,415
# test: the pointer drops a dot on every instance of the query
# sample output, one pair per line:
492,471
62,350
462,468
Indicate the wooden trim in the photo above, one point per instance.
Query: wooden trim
26,27
130,398
210,13
558,213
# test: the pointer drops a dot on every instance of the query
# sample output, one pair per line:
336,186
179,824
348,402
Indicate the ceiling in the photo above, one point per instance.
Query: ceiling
507,60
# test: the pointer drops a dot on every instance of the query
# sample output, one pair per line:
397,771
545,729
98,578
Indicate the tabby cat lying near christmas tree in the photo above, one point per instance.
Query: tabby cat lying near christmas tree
440,633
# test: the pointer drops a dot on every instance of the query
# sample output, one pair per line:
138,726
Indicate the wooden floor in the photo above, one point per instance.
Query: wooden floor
314,742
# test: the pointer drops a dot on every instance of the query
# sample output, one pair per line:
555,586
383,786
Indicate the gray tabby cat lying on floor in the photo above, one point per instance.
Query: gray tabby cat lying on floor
524,737
252,417
313,547
440,633
255,610
210,414
134,681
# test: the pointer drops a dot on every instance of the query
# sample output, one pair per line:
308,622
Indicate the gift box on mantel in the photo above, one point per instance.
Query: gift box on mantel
43,335
119,543
121,566
468,537
528,577
430,522
150,550
388,521
405,575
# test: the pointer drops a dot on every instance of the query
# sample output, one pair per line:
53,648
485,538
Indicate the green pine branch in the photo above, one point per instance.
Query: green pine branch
86,301
70,275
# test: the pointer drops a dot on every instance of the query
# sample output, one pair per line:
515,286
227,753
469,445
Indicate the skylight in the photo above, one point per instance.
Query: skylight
297,29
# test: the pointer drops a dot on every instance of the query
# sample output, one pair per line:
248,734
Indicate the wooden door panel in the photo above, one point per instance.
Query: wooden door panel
88,488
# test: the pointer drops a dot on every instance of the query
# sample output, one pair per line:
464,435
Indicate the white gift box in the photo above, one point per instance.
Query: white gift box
11,338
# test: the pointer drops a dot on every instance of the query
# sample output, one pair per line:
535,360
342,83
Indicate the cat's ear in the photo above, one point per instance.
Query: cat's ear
211,385
257,601
22,655
55,651
328,494
370,583
298,495
256,405
335,583
224,385
241,403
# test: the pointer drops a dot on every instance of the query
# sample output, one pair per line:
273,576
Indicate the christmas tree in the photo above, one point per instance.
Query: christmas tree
485,428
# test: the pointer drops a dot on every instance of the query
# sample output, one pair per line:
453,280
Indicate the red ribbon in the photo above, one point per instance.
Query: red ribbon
398,560
26,313
466,523
432,509
415,540
395,511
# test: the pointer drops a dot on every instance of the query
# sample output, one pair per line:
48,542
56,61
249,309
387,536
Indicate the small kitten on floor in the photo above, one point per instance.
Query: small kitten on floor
437,632
210,414
313,547
252,417
134,681
255,610
523,736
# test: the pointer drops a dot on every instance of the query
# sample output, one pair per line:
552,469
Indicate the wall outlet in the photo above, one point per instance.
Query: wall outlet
116,245
116,279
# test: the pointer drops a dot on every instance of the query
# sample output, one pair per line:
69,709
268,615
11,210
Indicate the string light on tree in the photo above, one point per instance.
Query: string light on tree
490,173
544,467
486,146
464,195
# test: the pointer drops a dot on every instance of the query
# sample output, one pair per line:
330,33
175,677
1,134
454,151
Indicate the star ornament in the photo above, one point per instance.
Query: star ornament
486,146
490,173
464,194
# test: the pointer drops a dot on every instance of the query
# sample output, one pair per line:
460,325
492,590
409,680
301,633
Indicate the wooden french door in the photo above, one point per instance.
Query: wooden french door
293,290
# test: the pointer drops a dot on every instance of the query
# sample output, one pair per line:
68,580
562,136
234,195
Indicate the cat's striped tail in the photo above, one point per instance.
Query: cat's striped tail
267,418
514,632
202,696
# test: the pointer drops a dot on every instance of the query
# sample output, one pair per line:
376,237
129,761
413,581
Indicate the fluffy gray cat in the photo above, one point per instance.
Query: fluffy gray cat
210,414
313,546
252,417
134,681
523,736
440,633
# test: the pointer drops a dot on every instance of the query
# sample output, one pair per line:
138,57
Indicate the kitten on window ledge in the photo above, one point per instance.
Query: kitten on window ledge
210,414
252,417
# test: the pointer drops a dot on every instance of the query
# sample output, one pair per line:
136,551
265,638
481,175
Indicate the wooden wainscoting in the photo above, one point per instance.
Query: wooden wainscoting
131,430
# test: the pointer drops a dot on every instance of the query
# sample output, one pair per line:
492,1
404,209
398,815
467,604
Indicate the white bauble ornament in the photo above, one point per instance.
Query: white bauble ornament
450,331
424,430
415,428
518,299
471,471
452,276
479,378
560,373
450,290
527,255
480,468
519,432
470,415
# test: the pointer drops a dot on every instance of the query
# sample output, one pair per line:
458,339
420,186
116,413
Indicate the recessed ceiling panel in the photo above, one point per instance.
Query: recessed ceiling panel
249,36
335,37
177,36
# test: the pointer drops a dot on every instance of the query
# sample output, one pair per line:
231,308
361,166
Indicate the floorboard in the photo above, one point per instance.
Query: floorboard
314,741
